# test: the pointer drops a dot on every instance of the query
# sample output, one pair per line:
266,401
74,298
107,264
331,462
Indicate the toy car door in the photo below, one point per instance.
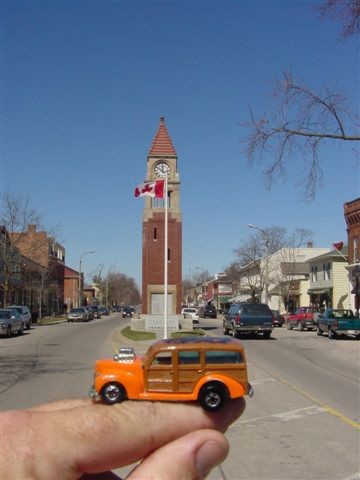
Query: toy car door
159,373
189,370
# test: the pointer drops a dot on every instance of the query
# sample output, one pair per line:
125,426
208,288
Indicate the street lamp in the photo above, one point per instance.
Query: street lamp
263,232
79,292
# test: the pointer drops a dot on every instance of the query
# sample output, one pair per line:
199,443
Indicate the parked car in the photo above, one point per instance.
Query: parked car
248,318
96,311
79,314
192,312
127,312
336,322
26,314
104,311
278,319
207,311
89,312
303,317
204,369
11,321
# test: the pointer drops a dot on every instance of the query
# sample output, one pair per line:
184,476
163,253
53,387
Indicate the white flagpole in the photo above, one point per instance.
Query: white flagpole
166,258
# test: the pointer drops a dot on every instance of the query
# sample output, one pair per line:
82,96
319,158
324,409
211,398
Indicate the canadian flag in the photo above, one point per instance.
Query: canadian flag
151,189
338,246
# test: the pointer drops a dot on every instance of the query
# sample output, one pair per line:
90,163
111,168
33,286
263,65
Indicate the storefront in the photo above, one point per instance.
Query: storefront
321,298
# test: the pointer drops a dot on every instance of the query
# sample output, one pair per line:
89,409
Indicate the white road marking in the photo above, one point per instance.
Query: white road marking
281,417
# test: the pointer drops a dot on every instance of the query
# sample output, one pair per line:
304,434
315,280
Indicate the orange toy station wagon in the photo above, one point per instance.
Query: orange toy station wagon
204,369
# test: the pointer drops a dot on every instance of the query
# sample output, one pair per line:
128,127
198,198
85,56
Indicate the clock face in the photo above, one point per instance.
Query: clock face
162,169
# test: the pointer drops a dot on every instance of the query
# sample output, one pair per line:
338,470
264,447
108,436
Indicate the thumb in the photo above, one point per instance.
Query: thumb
190,457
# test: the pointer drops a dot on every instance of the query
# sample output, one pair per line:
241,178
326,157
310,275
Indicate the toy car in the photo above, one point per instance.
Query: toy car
204,369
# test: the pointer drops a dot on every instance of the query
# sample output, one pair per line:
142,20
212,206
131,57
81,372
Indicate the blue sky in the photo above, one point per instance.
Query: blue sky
83,87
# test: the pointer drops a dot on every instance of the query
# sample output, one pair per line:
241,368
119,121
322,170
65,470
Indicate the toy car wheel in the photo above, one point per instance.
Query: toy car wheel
226,331
319,331
300,327
288,326
21,329
212,397
9,332
113,393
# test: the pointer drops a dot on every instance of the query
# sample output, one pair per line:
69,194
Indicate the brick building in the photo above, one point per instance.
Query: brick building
352,218
48,260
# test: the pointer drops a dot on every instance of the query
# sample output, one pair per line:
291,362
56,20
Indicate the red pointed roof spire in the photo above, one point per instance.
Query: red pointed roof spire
162,144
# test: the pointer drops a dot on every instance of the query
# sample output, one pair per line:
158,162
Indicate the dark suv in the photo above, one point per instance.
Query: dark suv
248,318
207,311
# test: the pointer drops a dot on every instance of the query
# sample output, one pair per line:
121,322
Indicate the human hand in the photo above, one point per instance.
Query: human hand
71,439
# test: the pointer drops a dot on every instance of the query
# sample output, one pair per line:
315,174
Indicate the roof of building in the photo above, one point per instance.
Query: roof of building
332,255
162,144
70,272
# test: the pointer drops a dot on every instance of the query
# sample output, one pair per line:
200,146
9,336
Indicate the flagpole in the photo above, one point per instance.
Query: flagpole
166,258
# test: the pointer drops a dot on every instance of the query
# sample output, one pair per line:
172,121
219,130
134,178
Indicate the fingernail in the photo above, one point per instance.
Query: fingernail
208,456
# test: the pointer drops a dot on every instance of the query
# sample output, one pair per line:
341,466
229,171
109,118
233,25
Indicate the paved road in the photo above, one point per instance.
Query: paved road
301,424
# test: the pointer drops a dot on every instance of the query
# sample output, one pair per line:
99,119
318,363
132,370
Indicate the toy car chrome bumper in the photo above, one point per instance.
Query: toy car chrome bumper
250,390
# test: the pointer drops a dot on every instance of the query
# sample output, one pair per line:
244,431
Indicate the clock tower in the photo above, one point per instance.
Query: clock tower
162,162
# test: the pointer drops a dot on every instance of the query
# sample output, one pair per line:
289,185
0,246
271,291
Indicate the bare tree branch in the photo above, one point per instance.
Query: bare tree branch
300,123
348,11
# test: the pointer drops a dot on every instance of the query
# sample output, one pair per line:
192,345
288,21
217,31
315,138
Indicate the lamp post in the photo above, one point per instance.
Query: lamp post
79,292
263,232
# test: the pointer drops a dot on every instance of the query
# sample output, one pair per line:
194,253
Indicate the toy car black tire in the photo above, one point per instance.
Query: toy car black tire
212,397
113,393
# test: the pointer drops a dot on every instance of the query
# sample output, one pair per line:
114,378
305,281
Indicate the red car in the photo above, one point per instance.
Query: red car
303,317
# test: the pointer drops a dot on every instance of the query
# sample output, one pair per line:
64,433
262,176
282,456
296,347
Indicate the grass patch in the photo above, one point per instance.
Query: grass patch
50,320
191,333
134,335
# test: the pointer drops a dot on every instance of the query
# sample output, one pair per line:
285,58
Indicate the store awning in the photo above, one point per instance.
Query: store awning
241,298
224,298
319,291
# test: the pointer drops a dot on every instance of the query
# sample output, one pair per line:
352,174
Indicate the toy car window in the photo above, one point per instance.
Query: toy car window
218,356
162,358
189,357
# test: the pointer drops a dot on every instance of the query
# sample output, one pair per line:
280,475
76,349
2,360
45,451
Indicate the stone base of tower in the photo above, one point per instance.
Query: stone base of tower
155,323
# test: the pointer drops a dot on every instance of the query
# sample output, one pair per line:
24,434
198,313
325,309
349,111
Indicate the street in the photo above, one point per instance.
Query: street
302,422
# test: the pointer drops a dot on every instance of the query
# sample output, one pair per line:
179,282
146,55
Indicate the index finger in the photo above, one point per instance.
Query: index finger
97,438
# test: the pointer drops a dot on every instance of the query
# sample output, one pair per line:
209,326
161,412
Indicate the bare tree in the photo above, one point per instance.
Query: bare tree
252,278
16,215
117,288
347,11
303,120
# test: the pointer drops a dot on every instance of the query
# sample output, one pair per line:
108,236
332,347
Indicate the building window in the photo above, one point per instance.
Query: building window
155,233
169,255
327,268
314,272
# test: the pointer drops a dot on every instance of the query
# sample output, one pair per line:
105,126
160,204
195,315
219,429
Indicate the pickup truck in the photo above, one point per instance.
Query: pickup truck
338,322
303,317
248,318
